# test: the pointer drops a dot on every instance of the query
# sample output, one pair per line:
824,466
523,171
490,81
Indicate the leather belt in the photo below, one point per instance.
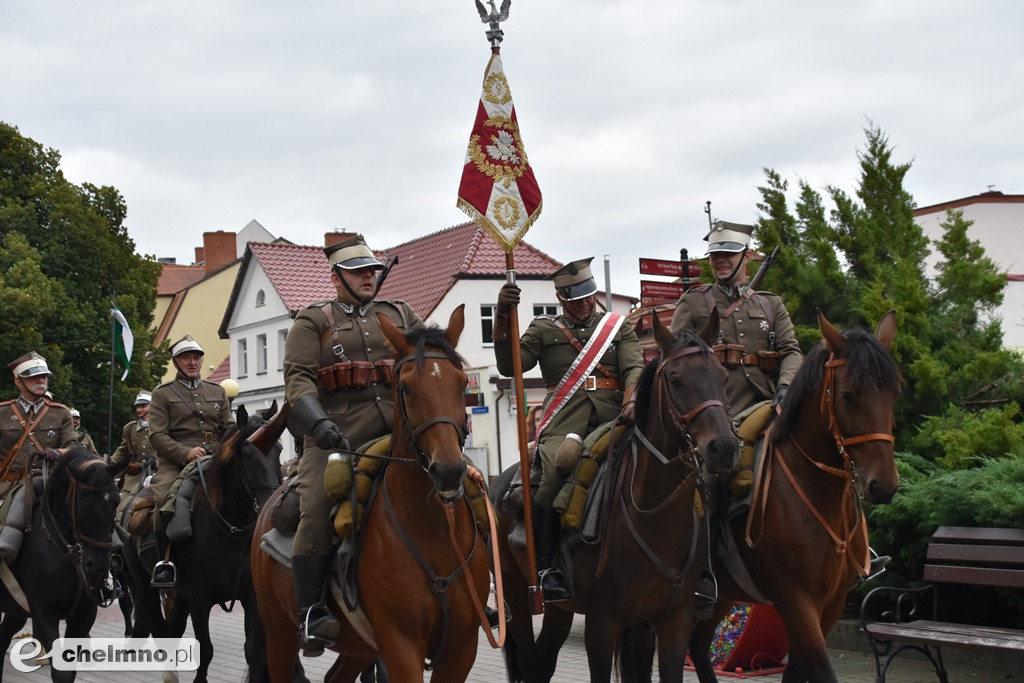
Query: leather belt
593,383
749,359
209,437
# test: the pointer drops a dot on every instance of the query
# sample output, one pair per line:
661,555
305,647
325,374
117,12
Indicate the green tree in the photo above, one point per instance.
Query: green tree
76,256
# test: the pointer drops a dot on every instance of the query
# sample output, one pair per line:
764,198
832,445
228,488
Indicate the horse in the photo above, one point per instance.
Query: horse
805,533
213,566
65,554
642,569
422,569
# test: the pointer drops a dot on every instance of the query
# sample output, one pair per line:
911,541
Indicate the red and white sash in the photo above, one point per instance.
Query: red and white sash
581,368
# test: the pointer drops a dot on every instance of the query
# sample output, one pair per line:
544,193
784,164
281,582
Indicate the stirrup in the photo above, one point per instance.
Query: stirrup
312,643
553,585
161,567
705,595
877,565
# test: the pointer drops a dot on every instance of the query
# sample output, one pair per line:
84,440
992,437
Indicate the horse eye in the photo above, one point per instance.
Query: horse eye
847,396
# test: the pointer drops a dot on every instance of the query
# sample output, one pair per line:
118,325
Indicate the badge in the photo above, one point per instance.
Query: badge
51,433
764,325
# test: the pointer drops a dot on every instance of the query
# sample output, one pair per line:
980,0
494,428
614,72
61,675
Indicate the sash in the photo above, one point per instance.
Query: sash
581,368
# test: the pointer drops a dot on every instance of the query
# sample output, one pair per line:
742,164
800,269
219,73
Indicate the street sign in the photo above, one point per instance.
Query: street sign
480,410
650,266
661,290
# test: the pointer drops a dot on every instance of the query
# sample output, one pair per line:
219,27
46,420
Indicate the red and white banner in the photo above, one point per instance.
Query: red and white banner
498,189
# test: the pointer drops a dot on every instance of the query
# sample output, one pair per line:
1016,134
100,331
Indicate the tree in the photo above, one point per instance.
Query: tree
73,255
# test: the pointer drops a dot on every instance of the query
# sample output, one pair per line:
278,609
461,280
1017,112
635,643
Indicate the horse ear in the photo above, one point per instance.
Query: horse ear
666,340
709,333
396,340
241,415
834,340
886,329
272,410
456,323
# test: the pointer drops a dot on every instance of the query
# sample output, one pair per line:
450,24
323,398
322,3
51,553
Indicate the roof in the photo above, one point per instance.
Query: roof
992,197
427,268
175,278
222,372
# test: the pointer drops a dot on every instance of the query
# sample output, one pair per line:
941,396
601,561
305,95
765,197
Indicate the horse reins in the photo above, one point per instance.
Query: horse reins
413,434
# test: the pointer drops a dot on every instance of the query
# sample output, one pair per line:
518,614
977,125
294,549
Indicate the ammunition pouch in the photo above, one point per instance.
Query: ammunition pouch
732,356
357,374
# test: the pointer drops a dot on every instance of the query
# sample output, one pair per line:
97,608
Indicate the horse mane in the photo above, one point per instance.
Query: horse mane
422,336
71,466
868,363
645,387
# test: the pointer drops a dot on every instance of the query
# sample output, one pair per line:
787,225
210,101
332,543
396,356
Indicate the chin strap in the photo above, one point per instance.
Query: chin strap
735,270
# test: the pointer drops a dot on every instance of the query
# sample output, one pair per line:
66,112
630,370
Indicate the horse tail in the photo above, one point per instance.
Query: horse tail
511,652
633,654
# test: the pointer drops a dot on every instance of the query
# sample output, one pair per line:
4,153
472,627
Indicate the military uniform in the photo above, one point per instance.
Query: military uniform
760,324
184,414
544,343
85,439
135,448
54,429
361,414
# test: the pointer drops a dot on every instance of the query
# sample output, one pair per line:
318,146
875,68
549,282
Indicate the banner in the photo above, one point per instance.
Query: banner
498,189
124,341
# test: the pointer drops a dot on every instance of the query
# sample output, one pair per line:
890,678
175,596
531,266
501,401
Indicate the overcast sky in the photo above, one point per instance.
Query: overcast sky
311,116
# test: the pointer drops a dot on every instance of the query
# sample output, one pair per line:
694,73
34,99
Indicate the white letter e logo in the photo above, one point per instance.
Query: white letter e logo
19,657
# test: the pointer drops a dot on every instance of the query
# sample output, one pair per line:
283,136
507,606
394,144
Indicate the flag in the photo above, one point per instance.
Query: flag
124,341
498,189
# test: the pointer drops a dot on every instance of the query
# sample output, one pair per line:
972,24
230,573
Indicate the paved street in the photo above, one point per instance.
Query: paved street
229,666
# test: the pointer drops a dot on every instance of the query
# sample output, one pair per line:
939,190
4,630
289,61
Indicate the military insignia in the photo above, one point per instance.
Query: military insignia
504,160
764,325
51,433
216,406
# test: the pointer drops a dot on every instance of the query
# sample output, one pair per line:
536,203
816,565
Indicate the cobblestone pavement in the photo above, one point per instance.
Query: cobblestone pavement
229,665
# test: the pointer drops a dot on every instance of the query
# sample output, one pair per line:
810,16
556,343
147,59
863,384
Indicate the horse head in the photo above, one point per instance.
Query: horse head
851,384
246,469
430,404
693,381
80,500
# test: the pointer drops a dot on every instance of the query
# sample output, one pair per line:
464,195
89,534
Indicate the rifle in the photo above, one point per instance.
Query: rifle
755,281
267,435
387,269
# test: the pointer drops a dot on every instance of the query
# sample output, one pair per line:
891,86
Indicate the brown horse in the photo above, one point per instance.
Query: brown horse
642,569
422,567
806,534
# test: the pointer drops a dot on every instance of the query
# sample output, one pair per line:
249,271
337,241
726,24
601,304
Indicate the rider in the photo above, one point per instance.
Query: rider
334,409
590,392
187,418
33,422
135,448
83,436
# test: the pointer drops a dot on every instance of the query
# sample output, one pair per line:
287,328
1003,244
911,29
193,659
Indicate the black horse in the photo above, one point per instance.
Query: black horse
213,563
65,554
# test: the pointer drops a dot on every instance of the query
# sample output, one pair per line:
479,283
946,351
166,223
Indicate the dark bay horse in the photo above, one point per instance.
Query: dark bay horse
65,554
423,572
643,568
805,538
213,564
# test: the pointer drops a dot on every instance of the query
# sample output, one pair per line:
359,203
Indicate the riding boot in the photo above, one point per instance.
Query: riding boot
549,532
317,626
165,575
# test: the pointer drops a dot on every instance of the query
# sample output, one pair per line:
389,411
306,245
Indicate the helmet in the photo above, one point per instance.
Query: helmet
75,413
185,344
143,397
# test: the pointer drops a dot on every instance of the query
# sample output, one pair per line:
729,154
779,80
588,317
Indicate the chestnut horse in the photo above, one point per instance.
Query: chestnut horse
805,535
643,568
422,568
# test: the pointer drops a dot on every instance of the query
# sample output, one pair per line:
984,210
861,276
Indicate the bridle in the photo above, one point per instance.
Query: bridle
828,405
412,434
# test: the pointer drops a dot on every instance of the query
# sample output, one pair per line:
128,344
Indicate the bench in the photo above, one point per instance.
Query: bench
900,619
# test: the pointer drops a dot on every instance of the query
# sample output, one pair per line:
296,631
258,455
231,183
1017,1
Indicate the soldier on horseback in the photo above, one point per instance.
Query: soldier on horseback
135,448
591,363
338,381
187,418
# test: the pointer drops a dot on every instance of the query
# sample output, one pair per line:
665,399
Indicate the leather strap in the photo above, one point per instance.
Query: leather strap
579,347
27,434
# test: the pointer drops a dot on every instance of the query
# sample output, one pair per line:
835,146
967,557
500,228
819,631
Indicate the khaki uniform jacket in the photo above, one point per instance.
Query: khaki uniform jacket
56,429
86,440
181,418
544,343
750,326
135,448
361,414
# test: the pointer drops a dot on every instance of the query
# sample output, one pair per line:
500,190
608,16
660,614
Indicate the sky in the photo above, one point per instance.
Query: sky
313,116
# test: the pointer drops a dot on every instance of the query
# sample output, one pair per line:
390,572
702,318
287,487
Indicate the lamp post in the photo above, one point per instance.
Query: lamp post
230,387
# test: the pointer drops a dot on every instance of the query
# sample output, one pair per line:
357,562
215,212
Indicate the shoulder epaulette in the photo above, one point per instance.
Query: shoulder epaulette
699,288
7,402
54,404
320,304
166,383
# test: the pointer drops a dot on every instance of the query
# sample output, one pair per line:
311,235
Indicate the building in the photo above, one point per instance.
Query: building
997,220
434,274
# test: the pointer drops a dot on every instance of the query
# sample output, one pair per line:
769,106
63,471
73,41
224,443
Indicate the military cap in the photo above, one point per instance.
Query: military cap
725,236
29,365
574,280
351,254
143,397
186,343
75,413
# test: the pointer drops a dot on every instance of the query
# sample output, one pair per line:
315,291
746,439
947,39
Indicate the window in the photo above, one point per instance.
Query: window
487,323
545,309
261,298
282,337
261,354
242,362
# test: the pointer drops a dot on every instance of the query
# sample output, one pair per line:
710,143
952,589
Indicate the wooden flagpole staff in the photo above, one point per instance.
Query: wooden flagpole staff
500,193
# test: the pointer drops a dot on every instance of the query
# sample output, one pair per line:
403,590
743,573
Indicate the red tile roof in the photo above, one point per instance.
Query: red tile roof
427,268
222,372
175,278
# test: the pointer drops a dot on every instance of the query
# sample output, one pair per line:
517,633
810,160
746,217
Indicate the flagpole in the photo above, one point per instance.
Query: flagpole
110,396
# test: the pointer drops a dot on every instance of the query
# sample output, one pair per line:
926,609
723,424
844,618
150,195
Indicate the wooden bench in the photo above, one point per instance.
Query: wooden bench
900,619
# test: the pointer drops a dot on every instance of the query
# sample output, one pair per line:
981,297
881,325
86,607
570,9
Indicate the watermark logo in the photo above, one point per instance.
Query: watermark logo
108,654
